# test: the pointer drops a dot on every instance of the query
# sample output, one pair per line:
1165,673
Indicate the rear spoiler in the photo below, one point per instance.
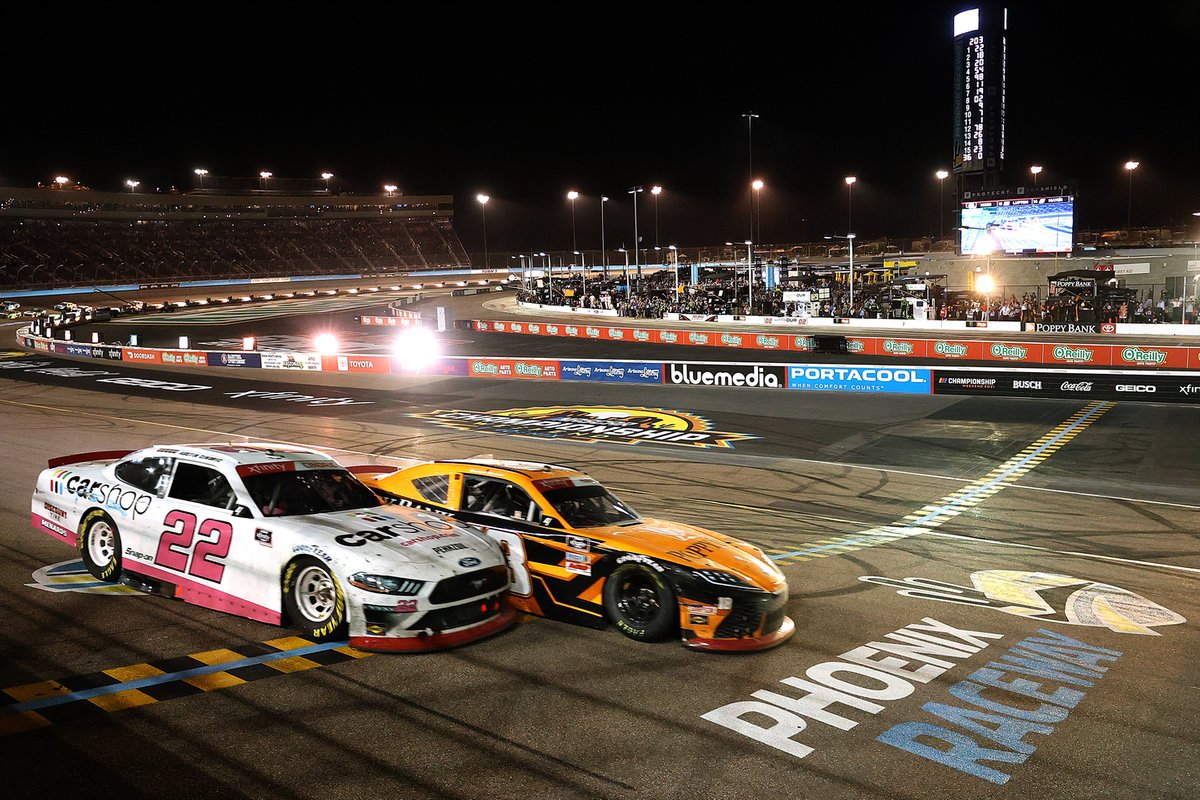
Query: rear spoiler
372,469
79,458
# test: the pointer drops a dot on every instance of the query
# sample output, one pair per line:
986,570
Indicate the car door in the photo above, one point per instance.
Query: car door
208,542
141,526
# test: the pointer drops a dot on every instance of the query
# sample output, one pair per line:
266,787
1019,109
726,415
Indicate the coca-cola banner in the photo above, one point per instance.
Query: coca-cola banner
1068,385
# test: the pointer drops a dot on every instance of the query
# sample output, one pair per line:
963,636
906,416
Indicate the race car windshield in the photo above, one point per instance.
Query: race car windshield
590,507
318,491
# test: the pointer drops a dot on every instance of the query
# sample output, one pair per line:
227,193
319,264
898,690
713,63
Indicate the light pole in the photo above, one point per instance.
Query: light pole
549,277
326,176
637,262
200,173
1035,170
524,274
1130,166
603,251
850,181
62,181
750,275
483,201
656,191
941,175
849,237
757,186
262,179
573,196
673,255
390,188
750,117
132,184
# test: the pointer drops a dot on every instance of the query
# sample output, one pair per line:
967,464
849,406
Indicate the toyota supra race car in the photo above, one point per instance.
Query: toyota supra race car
278,534
577,553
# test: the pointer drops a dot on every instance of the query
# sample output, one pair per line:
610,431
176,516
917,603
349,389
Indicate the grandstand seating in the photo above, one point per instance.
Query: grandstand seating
40,249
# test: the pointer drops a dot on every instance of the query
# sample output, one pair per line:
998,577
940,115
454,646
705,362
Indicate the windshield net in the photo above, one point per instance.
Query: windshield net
590,507
318,491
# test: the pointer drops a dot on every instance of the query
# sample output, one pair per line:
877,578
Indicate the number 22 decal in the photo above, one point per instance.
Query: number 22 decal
174,545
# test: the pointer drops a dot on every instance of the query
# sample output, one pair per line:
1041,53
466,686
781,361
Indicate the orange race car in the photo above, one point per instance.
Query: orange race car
579,554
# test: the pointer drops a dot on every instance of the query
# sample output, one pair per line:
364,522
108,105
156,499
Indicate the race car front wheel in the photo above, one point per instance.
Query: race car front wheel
314,600
100,546
640,603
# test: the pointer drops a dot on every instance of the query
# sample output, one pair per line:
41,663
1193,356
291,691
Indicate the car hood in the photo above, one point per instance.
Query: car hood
404,536
695,547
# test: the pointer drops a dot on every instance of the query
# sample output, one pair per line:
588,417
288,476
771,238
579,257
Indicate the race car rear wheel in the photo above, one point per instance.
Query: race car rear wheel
314,599
100,546
640,603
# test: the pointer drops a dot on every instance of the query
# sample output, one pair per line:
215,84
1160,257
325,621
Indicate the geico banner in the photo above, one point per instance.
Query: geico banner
1081,386
611,371
753,376
859,379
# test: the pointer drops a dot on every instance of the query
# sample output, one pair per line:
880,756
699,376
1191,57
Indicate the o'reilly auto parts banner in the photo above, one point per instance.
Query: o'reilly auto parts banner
1069,385
752,376
859,378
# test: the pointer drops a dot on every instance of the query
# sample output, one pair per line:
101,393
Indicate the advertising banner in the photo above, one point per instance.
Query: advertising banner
545,369
754,376
903,347
1084,386
641,335
304,362
1072,327
670,337
1024,352
733,339
397,322
1149,356
617,334
235,359
591,332
968,350
700,338
444,366
612,371
1079,354
73,349
183,358
350,363
862,345
859,379
109,352
766,341
139,355
516,327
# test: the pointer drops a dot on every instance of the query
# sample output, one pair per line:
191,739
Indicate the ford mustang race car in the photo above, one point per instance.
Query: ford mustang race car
579,554
277,534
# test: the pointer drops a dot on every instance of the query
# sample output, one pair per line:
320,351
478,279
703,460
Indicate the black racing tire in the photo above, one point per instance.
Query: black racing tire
314,599
100,546
640,603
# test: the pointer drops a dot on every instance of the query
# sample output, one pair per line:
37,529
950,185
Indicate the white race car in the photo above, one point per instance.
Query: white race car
278,534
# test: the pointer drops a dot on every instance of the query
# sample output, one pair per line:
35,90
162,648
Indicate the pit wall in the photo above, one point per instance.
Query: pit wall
948,350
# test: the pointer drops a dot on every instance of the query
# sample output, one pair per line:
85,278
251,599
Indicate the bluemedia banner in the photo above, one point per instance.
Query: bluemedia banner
237,359
611,371
860,379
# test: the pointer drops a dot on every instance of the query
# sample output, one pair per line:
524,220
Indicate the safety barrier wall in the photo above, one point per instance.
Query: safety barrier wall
1022,352
1087,384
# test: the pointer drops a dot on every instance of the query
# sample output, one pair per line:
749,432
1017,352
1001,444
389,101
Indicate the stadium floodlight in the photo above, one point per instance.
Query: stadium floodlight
200,173
1035,170
326,344
390,188
132,184
326,176
264,175
1130,166
482,199
62,180
850,181
573,196
941,175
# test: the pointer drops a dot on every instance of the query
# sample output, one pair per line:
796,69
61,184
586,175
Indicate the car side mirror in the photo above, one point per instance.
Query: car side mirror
242,511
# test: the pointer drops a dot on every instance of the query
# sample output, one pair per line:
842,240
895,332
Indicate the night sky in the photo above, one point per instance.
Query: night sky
615,95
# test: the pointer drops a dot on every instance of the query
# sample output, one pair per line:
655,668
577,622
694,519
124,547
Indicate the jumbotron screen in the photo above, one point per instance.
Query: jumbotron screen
1018,225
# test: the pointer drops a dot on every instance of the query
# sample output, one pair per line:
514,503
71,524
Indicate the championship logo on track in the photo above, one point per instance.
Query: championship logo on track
72,576
1045,597
591,424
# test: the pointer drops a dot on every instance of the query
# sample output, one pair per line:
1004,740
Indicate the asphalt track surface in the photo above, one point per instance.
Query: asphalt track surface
837,487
